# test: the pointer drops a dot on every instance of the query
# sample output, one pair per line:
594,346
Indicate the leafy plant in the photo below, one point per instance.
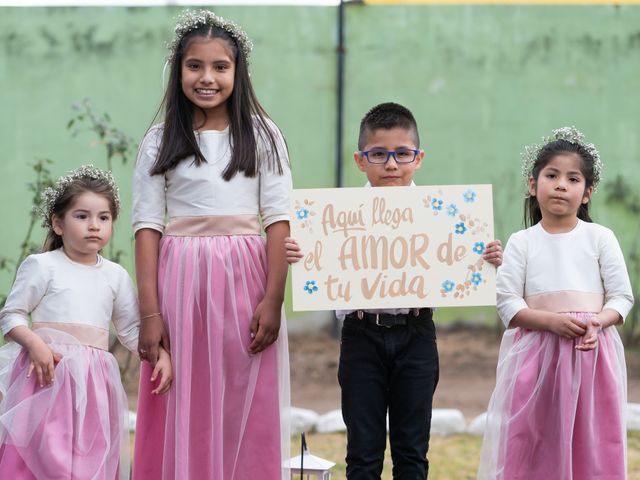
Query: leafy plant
622,194
28,246
116,143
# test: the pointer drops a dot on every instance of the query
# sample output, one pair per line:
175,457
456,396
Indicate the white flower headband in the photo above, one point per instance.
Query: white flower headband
51,195
570,134
189,20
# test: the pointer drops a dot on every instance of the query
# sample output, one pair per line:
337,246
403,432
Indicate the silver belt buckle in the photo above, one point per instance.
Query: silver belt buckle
378,322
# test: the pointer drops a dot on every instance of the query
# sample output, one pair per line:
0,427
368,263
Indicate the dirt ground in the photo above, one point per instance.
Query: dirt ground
468,358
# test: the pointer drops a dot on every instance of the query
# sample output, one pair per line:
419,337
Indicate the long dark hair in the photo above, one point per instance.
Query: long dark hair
248,121
66,199
532,212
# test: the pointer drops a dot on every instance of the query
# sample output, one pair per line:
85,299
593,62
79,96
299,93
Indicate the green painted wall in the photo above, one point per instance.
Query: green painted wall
481,80
485,80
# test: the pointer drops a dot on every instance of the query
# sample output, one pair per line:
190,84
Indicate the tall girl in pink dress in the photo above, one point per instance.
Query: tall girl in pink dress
558,409
206,182
63,412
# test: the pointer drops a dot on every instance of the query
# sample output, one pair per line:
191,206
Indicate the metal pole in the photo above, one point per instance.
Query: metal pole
340,51
340,92
303,448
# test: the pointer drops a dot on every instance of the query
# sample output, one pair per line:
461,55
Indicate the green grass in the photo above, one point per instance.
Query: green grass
450,458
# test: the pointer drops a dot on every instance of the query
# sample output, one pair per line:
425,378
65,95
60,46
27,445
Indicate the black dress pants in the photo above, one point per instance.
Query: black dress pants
394,369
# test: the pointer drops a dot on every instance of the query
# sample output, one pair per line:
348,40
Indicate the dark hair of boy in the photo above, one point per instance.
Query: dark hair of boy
178,137
387,116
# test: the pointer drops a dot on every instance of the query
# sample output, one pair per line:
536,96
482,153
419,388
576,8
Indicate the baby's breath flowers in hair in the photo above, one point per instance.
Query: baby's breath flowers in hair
51,195
190,20
569,134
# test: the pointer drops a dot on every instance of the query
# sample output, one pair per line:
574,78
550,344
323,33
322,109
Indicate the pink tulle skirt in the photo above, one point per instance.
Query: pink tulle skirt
75,429
224,417
557,413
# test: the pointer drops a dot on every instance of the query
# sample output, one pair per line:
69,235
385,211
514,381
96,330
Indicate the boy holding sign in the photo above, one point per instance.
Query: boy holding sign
388,357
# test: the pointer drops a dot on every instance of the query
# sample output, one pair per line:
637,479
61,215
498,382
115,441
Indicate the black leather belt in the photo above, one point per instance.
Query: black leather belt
389,320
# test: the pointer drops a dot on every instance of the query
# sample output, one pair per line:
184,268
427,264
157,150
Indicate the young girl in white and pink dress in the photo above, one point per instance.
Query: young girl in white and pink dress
63,410
558,409
210,288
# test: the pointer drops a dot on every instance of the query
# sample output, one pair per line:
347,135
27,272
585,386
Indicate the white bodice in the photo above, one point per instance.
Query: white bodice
51,288
191,191
581,270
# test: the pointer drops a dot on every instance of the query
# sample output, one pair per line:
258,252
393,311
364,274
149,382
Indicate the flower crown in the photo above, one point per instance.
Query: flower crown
189,20
570,134
51,195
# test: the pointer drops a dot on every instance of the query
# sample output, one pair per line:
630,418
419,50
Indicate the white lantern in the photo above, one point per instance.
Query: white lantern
309,467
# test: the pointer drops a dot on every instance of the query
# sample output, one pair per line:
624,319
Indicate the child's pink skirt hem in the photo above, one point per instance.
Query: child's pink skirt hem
557,412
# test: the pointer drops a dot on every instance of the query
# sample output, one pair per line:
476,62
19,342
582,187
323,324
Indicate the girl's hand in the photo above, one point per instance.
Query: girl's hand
566,326
43,360
493,253
152,335
294,254
590,338
165,370
265,325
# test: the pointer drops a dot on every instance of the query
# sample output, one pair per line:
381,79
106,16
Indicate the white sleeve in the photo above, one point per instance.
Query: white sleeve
510,279
28,290
618,295
275,189
126,316
149,201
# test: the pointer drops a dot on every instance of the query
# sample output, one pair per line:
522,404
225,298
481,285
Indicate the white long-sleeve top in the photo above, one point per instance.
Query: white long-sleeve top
579,271
51,288
191,191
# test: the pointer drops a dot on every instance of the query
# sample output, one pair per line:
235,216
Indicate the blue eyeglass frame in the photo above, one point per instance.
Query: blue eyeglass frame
390,153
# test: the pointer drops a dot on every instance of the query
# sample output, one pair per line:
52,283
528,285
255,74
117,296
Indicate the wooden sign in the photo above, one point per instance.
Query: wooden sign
392,247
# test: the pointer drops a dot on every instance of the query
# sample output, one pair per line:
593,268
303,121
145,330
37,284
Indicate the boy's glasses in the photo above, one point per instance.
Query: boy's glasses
402,155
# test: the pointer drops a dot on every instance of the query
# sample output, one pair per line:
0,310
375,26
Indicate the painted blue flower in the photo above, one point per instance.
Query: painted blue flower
469,196
461,228
448,285
476,278
479,248
436,204
310,286
302,214
452,210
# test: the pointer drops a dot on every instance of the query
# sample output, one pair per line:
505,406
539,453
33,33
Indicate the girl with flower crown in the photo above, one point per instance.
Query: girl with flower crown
63,410
211,288
557,411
